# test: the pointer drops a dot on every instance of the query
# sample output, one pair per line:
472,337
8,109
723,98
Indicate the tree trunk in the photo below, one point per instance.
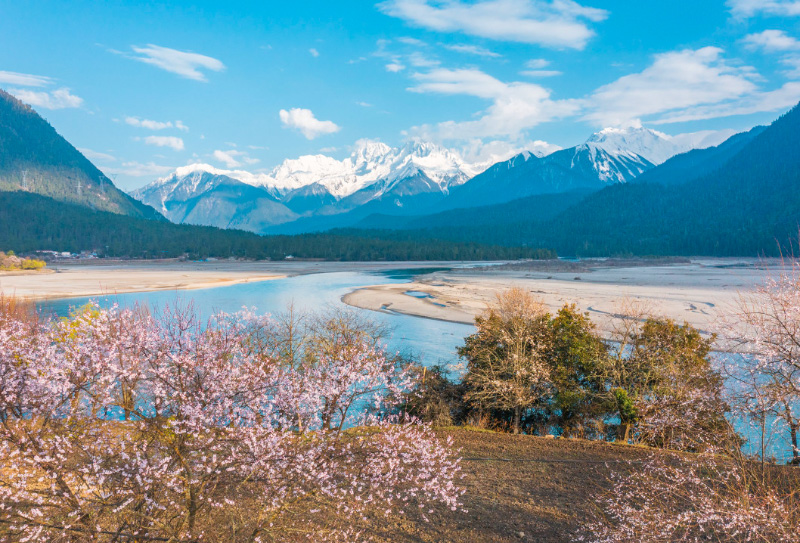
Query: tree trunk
795,451
517,411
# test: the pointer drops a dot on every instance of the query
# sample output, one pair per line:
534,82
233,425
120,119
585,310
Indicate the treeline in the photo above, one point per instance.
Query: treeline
31,222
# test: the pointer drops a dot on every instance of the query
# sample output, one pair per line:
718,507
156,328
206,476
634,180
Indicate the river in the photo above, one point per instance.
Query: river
430,341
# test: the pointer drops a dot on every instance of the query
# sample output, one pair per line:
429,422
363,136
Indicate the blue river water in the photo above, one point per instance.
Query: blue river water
430,341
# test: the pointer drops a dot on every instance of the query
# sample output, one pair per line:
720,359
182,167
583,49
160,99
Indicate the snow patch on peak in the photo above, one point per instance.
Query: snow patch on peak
656,147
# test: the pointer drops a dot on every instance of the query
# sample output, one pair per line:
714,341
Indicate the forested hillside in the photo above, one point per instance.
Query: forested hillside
34,158
58,226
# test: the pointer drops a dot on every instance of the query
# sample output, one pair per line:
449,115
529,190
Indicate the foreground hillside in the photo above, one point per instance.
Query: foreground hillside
35,158
516,484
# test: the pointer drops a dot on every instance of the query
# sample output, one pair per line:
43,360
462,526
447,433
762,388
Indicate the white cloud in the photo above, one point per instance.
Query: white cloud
772,40
138,169
304,121
516,107
364,104
675,81
537,63
57,99
775,100
421,61
540,73
793,63
96,156
553,23
233,158
478,151
749,8
155,125
412,41
395,67
472,50
183,63
314,52
165,141
24,80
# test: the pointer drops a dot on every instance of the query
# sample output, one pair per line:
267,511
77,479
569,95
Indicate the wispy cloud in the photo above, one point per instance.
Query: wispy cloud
472,50
57,99
541,73
778,99
553,23
395,67
304,121
674,82
516,107
155,125
233,158
535,66
172,142
140,169
750,8
314,52
24,80
412,41
184,63
96,156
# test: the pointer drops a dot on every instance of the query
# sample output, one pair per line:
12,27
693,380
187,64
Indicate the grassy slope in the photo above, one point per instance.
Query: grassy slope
539,486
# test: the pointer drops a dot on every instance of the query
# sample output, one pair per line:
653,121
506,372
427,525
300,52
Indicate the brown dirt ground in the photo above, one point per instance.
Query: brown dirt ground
518,488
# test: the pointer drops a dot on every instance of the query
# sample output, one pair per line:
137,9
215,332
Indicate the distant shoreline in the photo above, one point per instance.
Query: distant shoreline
692,290
104,277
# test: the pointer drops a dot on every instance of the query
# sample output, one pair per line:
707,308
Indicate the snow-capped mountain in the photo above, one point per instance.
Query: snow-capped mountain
317,192
374,173
612,155
370,162
196,196
656,147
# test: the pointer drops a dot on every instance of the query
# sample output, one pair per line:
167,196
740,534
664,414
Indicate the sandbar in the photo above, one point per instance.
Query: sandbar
694,291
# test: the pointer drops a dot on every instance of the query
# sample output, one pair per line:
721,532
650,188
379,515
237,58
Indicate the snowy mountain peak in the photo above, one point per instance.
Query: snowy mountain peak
652,145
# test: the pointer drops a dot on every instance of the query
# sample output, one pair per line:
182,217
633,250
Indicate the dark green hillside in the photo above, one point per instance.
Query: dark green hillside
698,162
35,158
53,225
532,208
749,205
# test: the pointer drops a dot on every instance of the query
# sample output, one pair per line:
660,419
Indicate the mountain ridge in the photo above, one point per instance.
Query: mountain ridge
35,158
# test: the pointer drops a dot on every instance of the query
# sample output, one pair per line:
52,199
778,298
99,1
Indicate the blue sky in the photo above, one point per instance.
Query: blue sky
144,89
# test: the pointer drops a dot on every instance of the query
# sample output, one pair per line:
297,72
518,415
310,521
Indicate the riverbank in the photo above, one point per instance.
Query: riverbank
108,277
691,290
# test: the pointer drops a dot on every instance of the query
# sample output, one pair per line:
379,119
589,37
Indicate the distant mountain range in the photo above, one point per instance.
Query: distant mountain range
741,197
316,192
624,191
375,177
53,198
